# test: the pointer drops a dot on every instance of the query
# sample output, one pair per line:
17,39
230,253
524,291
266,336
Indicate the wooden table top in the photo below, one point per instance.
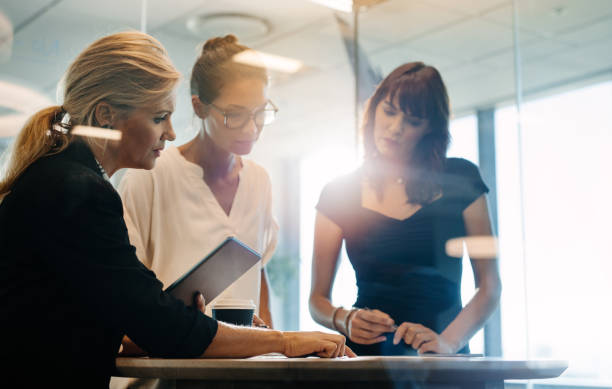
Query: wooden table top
276,367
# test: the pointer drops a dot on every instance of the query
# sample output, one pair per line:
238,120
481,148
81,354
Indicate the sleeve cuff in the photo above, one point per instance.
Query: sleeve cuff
200,337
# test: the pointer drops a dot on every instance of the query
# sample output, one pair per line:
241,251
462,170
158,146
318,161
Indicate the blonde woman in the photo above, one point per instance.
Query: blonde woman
71,285
206,190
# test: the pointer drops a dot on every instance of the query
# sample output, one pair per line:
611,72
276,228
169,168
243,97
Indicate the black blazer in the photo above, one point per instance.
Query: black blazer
70,282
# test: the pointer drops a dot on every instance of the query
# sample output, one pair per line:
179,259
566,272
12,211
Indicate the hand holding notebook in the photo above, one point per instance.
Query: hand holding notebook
216,272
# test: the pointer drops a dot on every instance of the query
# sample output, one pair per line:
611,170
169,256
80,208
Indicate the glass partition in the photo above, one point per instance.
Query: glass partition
552,173
530,88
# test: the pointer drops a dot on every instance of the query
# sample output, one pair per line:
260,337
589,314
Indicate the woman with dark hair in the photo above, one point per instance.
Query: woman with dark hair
395,214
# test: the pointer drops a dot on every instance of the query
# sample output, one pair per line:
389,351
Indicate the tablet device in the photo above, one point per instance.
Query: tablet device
216,272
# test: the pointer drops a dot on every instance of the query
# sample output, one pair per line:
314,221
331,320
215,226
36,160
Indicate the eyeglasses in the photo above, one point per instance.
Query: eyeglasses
239,118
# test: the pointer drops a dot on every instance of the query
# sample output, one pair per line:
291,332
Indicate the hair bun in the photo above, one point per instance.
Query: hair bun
219,42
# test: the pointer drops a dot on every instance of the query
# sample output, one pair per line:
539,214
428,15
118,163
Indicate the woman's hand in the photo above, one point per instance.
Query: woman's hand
258,322
198,302
365,326
298,343
129,348
422,339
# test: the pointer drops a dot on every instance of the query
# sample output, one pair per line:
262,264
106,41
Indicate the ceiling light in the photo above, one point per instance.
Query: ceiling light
246,27
338,5
347,5
21,99
20,102
6,38
11,124
269,61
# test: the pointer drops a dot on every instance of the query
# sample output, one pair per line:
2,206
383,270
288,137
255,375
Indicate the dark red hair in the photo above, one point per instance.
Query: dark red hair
421,93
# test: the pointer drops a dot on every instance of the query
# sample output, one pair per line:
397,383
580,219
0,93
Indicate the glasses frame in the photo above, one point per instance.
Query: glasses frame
250,117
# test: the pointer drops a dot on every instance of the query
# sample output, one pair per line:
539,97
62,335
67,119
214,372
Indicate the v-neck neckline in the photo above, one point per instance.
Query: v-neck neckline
380,214
412,215
198,172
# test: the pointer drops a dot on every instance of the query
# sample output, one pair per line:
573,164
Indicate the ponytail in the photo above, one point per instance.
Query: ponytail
40,136
128,69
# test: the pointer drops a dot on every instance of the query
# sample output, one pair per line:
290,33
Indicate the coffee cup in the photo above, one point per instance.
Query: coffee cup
234,311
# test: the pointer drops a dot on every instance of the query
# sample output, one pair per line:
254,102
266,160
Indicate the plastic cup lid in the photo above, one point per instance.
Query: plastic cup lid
234,304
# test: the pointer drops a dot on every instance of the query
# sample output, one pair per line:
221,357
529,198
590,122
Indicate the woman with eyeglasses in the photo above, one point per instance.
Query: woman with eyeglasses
204,191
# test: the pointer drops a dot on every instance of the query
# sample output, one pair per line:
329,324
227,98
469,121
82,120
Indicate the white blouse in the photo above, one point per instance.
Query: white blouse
174,219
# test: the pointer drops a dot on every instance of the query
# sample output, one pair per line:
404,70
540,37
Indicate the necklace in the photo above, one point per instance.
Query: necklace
106,177
400,180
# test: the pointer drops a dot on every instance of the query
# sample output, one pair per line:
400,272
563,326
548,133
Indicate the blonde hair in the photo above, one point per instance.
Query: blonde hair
127,70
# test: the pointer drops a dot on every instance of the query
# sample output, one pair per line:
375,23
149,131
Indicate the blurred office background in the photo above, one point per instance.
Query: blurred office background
530,84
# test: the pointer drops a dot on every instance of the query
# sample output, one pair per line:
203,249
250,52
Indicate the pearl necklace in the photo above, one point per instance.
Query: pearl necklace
106,177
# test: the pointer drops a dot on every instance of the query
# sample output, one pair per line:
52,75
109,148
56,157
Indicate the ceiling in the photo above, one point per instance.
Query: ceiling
471,42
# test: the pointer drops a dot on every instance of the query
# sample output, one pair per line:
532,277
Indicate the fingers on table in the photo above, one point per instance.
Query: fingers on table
423,337
333,347
349,353
413,334
328,349
433,347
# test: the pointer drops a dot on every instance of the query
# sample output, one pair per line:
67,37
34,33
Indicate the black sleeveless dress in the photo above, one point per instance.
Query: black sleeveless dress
401,266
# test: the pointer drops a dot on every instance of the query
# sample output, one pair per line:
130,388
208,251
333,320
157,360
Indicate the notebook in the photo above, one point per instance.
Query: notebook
216,272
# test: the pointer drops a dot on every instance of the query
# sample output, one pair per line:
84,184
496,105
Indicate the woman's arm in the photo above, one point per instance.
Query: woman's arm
270,241
486,275
327,244
264,300
361,326
238,342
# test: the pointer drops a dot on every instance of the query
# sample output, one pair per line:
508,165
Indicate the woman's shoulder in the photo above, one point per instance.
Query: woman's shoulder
256,172
460,166
63,182
254,168
460,170
346,180
342,185
462,178
340,198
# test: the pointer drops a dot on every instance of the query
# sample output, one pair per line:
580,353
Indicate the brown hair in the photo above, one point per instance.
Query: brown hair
421,92
215,68
127,70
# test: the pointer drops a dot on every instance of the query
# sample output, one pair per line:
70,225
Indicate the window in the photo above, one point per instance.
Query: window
566,187
316,171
